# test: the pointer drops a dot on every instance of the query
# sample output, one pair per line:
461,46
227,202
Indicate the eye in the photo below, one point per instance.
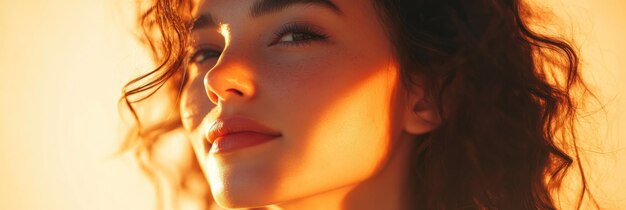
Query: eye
203,54
298,33
297,37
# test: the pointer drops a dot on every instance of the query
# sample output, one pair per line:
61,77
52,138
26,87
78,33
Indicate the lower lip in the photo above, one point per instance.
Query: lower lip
238,141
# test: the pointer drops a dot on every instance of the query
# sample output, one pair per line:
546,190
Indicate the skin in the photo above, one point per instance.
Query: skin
347,124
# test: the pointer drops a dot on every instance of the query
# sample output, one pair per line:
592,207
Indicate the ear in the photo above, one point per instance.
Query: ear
420,114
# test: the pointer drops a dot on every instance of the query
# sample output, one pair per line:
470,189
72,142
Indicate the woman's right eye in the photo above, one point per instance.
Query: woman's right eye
204,54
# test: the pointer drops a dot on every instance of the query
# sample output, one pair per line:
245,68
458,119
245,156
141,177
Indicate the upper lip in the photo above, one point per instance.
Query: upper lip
226,126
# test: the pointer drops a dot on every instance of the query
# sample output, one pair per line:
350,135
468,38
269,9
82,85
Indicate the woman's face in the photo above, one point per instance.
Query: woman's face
319,76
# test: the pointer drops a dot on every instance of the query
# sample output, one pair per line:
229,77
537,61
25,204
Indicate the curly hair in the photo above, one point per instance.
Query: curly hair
508,96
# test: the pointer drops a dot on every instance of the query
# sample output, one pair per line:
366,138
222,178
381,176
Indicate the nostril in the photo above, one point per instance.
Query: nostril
235,91
214,98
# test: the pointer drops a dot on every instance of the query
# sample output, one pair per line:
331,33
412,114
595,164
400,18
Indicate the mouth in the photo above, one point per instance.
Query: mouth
234,133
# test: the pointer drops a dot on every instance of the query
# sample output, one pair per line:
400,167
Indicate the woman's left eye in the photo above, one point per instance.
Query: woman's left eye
298,34
297,37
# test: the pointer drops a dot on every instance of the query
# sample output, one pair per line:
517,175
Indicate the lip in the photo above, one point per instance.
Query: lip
233,133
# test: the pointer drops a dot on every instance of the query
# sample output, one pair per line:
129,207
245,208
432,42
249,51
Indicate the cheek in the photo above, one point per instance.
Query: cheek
335,87
353,114
337,117
194,106
354,129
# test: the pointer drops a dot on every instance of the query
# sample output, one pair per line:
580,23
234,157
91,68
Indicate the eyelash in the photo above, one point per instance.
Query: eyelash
208,51
312,33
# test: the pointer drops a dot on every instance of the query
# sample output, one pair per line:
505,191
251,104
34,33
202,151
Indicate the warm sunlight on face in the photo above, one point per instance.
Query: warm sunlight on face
302,100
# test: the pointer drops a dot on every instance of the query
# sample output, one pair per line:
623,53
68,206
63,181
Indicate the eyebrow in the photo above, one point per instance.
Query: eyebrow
204,21
265,7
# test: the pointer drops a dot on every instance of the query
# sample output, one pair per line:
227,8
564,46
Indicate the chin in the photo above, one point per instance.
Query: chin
237,200
244,191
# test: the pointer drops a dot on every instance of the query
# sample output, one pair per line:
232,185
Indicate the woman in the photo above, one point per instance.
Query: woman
352,104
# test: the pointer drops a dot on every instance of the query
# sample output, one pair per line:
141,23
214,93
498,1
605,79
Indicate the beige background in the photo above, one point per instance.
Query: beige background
62,64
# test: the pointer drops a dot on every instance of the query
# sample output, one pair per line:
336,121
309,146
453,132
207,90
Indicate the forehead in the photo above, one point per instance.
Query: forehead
224,9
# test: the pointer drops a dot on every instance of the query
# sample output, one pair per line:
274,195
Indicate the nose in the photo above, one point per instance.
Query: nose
229,81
